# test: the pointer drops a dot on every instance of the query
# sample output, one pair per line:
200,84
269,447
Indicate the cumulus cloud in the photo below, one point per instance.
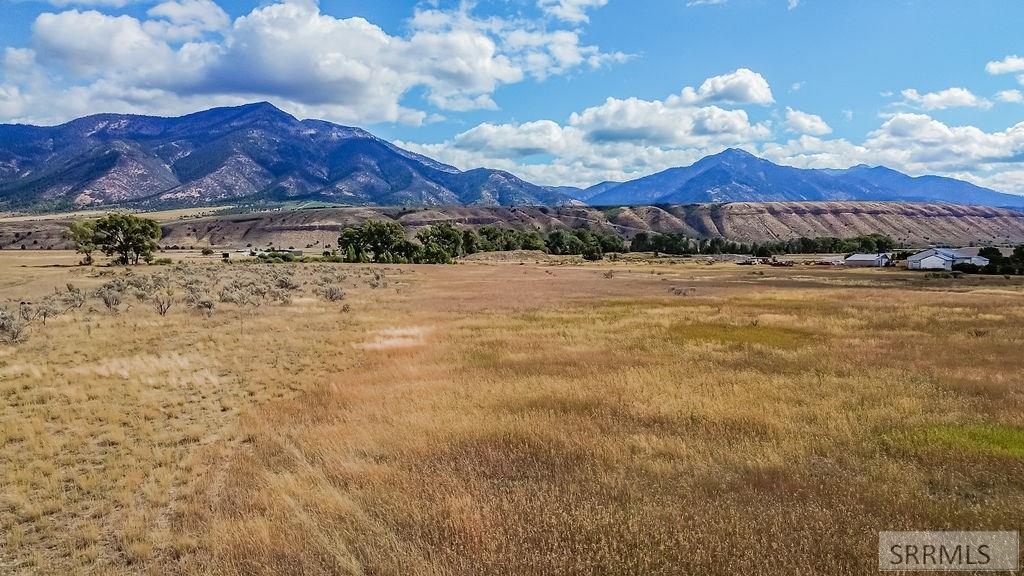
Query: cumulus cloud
804,123
949,98
90,43
98,3
186,19
743,86
1007,65
520,140
618,139
917,144
665,123
574,11
628,138
542,54
1012,96
342,69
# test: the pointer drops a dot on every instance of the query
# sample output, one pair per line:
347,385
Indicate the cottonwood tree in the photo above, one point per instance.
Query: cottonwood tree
375,240
83,234
441,242
382,239
129,237
351,244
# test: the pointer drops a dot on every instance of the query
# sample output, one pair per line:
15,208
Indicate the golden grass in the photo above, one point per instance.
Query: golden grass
516,419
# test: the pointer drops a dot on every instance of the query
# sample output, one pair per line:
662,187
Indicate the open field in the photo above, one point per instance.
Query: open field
503,418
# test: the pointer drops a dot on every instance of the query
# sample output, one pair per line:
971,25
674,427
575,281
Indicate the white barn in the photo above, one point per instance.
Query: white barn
944,259
879,260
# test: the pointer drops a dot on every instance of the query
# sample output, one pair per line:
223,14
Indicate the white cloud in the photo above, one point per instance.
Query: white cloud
98,3
1007,65
804,123
618,139
574,11
666,123
520,140
542,53
186,19
342,69
917,144
91,43
693,3
18,61
1009,181
629,138
792,4
744,86
949,98
1012,96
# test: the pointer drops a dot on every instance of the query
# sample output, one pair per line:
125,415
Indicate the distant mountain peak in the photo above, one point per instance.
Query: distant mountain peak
264,105
735,175
259,153
264,108
735,153
250,153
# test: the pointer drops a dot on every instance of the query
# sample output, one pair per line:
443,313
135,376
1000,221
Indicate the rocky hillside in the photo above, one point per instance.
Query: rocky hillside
912,224
915,224
252,153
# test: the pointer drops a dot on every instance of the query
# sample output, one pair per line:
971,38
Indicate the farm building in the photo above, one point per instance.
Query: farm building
945,259
879,260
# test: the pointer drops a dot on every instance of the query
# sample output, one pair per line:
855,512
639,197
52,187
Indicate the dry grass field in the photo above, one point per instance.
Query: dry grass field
502,418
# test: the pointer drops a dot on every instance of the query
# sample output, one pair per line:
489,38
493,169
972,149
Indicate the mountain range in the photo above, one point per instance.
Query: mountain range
247,153
258,153
738,176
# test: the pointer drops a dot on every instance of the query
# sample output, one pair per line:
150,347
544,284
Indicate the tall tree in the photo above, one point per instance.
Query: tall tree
374,241
446,238
382,239
351,243
83,234
129,237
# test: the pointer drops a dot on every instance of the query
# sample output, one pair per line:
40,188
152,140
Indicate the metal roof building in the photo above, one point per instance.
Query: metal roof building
879,260
944,259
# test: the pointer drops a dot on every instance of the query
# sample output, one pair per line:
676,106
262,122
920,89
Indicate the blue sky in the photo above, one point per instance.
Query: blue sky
558,91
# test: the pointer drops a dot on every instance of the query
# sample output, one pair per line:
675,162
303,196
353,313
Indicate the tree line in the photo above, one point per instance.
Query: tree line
131,239
1012,265
384,241
680,244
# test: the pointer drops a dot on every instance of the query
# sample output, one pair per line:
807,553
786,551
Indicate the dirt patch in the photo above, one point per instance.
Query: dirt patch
513,256
397,338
